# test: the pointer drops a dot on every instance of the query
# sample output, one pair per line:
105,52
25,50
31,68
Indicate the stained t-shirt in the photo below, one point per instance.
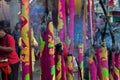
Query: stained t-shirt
9,41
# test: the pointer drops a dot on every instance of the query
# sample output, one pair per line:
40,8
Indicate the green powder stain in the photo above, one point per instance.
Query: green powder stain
60,24
89,76
68,41
50,46
53,70
82,65
80,46
27,77
70,76
105,72
59,64
42,42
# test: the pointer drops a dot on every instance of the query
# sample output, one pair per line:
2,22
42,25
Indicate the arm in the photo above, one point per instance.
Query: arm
20,43
10,45
6,49
34,43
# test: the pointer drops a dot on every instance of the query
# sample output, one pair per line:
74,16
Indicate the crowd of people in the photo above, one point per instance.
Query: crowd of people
8,51
11,49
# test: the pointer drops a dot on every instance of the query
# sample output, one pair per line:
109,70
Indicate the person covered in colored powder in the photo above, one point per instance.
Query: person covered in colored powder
62,49
17,34
34,43
61,46
8,52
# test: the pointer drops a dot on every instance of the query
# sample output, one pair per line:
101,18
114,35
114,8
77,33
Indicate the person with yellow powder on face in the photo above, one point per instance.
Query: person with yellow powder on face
34,43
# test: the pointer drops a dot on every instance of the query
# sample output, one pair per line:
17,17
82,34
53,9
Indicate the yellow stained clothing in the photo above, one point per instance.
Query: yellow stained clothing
34,43
77,6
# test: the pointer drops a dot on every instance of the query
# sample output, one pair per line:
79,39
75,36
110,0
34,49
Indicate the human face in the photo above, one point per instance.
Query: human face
2,33
18,26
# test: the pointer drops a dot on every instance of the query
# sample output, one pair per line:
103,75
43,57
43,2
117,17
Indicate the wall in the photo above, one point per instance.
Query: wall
4,10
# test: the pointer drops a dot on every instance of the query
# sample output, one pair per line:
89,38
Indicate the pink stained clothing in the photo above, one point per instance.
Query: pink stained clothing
65,50
9,41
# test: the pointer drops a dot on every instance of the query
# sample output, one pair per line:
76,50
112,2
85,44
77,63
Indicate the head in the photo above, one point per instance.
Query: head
2,31
6,26
18,26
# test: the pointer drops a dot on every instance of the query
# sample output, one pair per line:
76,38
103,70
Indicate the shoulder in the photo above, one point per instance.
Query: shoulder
14,31
10,37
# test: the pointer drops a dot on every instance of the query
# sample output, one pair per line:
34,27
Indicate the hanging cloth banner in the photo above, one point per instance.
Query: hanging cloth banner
112,66
92,69
84,24
62,31
99,67
80,61
92,65
70,67
25,42
93,19
58,61
77,6
47,55
104,63
90,22
58,66
117,67
61,20
71,25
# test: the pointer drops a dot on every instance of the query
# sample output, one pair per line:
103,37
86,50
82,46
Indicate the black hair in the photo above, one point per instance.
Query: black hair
5,25
2,25
17,25
58,49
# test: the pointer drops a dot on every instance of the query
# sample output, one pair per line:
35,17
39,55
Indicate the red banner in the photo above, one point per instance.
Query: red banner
111,2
